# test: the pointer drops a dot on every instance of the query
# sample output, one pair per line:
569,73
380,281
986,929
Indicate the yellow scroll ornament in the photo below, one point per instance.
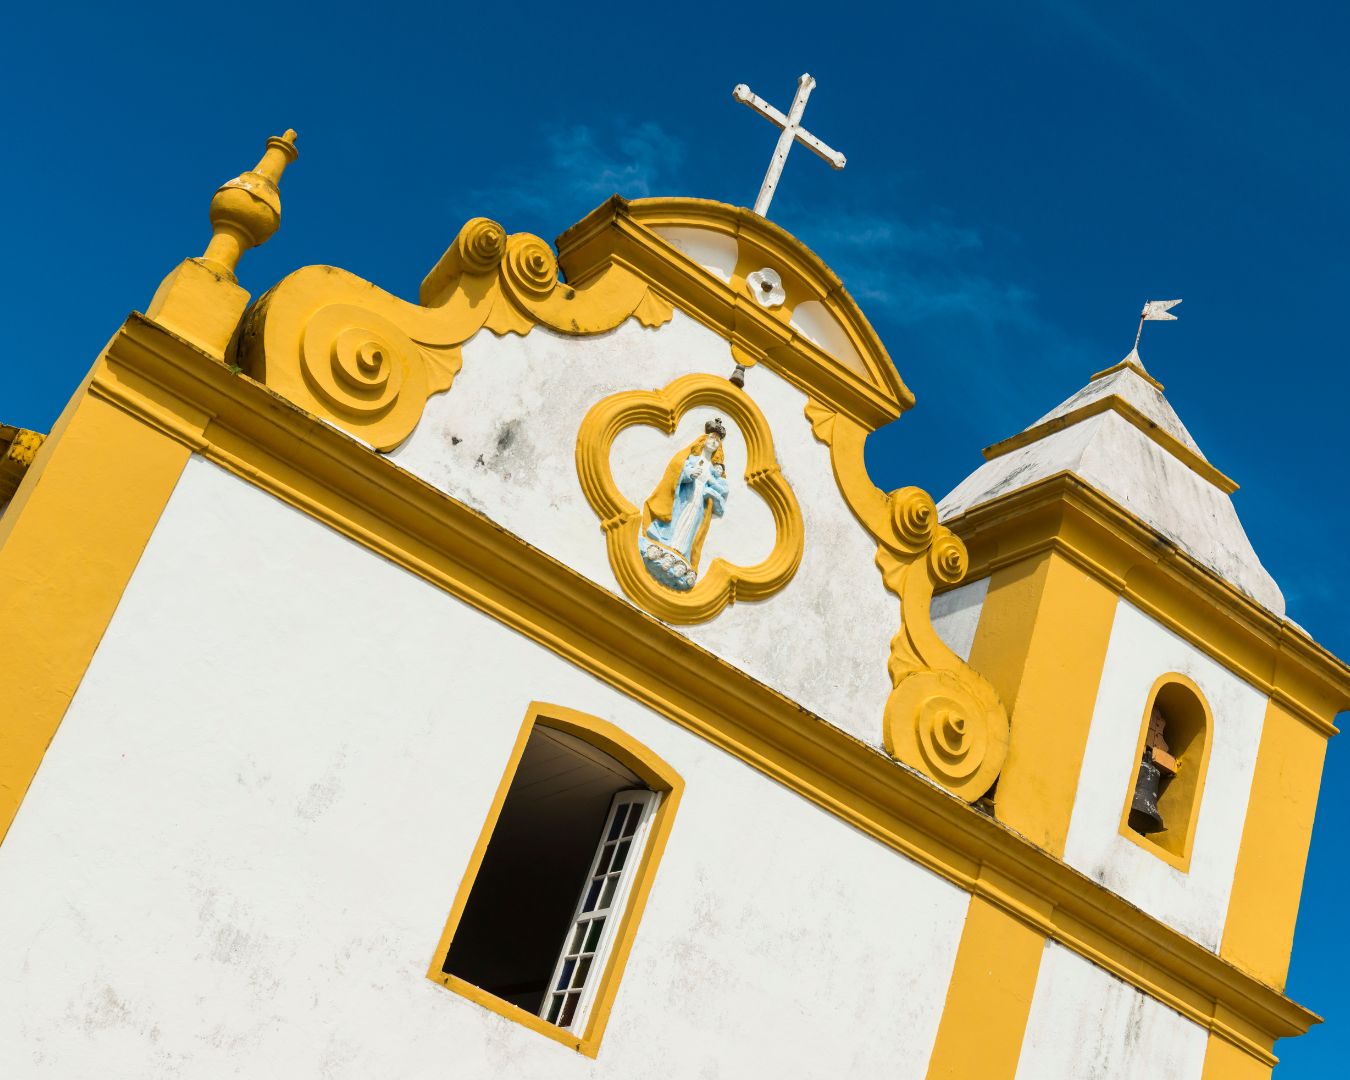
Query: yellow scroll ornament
942,716
367,361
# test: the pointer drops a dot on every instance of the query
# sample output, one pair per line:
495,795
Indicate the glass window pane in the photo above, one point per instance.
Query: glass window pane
577,935
554,1007
593,936
622,856
591,895
634,812
616,825
607,896
569,1009
565,978
583,969
605,857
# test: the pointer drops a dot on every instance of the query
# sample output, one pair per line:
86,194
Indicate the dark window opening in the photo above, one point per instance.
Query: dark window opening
542,857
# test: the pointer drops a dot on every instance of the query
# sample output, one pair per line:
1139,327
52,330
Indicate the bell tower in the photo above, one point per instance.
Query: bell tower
1168,722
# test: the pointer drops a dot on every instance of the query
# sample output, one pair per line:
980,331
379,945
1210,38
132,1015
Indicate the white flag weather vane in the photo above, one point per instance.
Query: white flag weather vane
1154,311
792,132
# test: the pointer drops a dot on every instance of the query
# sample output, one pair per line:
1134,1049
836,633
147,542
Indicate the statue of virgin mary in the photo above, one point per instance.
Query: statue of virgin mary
675,519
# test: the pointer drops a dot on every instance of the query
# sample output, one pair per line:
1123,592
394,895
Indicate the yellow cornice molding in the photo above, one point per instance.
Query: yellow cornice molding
1118,405
621,233
621,521
1063,513
264,439
366,361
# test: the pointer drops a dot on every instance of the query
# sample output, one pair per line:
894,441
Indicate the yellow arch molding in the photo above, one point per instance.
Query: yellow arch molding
942,717
865,386
621,520
366,361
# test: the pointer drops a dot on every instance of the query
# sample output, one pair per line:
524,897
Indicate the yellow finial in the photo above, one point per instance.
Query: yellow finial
247,210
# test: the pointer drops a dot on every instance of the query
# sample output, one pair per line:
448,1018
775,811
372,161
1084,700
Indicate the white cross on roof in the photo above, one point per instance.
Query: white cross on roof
792,132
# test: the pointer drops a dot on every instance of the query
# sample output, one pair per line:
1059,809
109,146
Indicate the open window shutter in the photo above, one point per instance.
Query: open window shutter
600,907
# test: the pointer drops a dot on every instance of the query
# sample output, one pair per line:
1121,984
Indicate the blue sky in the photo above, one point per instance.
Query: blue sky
1020,178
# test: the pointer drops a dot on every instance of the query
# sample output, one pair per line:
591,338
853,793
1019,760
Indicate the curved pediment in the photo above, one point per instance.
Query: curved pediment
754,283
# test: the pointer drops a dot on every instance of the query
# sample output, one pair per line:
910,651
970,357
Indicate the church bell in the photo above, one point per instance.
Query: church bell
1144,816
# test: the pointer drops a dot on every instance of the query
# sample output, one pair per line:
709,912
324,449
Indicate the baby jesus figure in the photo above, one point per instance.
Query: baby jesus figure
675,519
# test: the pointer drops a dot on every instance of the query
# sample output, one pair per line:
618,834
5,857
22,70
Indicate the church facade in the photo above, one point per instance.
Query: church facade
530,681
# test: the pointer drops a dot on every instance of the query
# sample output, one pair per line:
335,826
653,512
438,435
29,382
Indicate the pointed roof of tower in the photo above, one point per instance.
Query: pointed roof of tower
1119,435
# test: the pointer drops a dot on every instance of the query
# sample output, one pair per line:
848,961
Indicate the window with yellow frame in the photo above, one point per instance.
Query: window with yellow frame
543,922
1171,758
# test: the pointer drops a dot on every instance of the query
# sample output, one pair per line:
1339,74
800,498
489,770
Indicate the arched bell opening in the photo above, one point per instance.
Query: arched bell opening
1169,770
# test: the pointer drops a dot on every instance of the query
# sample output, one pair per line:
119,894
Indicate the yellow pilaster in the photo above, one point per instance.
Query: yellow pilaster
68,544
1042,643
1225,1060
1258,935
989,997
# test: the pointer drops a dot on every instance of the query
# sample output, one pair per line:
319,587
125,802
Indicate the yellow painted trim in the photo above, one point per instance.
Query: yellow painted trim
653,772
1172,847
69,542
621,521
620,233
367,361
1258,935
984,1018
1138,369
1041,641
241,426
942,716
1169,442
1065,515
1224,1061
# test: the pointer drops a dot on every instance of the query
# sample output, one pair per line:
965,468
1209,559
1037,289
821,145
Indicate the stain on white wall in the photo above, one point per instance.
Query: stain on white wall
504,438
239,853
1195,903
1085,1024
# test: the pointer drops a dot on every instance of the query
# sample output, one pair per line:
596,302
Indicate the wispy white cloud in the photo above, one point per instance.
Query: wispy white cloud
584,164
913,271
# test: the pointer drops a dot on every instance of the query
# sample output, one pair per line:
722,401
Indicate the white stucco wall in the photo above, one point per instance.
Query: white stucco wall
503,440
1085,1024
956,615
1195,903
241,848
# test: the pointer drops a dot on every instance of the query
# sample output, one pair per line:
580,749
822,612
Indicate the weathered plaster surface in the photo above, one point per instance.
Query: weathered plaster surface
1143,395
1195,903
956,615
1085,1024
242,846
503,440
715,252
814,320
1122,463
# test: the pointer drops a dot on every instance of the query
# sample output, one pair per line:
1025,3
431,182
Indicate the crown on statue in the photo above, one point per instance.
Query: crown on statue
715,427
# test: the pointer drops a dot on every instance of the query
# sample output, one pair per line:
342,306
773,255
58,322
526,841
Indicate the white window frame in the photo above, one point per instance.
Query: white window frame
580,967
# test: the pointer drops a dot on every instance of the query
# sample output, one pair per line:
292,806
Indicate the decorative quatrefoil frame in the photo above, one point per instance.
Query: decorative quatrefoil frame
723,583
